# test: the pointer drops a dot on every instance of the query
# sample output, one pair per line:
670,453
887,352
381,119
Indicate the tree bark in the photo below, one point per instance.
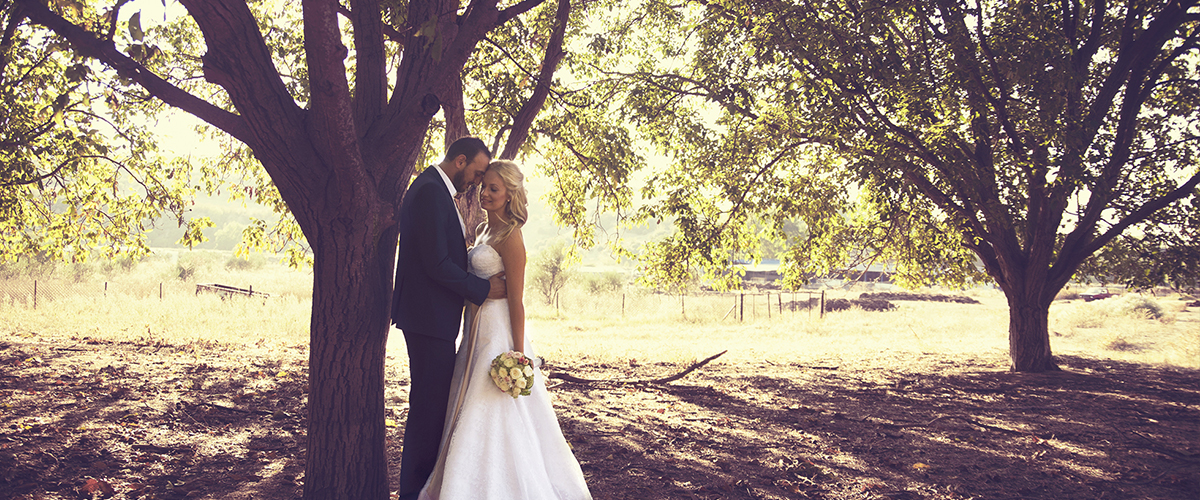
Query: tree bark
455,113
1028,333
352,289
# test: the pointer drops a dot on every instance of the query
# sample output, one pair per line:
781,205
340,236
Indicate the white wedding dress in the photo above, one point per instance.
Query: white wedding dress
494,446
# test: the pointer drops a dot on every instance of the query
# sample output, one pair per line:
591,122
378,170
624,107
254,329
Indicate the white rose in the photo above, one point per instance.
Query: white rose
521,383
508,362
514,372
528,371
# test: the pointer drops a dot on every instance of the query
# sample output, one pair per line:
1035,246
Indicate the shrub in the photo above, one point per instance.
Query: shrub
248,263
123,264
606,282
1137,305
191,262
1120,344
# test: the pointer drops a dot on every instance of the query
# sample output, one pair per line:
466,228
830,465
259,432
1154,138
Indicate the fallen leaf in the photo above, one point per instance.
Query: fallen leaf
920,466
96,486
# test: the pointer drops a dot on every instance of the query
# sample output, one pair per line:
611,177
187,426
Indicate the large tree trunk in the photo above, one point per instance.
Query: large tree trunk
352,289
342,164
1028,333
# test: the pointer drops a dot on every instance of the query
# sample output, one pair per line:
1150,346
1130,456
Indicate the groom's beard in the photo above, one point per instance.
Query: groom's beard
460,180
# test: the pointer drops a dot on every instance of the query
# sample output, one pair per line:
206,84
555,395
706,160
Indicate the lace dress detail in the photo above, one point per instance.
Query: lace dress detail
494,446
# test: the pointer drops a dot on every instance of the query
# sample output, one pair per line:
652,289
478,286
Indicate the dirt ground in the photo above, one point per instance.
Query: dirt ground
83,417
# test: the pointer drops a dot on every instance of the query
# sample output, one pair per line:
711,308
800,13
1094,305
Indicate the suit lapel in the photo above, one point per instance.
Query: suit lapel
457,220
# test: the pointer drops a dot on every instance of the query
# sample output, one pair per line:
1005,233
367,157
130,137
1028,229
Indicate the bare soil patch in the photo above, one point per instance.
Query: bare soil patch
85,418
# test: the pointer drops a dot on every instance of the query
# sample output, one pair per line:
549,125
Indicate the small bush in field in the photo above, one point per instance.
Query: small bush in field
248,263
189,263
1120,344
607,282
80,271
1137,305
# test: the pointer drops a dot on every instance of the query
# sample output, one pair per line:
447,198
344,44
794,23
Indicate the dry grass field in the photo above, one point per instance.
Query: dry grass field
128,395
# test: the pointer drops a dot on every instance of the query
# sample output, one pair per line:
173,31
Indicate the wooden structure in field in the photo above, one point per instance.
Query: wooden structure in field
229,291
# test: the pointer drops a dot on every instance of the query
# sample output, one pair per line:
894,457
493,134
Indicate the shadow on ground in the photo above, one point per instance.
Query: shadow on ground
152,421
1099,429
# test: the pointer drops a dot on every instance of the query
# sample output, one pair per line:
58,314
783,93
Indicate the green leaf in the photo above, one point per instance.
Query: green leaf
135,26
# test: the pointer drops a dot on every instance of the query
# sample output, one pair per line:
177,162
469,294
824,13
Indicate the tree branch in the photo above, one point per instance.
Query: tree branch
15,16
1068,262
520,8
47,176
370,81
664,380
87,44
529,110
1130,72
332,112
112,21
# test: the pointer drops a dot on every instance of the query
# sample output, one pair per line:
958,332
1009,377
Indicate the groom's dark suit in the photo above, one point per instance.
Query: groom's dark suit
431,284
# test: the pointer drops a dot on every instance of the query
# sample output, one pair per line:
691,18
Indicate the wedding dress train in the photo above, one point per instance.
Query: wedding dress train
494,446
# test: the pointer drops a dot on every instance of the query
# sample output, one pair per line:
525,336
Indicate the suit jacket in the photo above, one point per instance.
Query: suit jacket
431,273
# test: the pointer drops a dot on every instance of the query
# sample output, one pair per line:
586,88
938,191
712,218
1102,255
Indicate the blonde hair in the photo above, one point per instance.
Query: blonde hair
516,210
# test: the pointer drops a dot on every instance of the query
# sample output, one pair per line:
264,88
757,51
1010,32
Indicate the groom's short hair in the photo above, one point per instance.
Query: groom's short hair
469,146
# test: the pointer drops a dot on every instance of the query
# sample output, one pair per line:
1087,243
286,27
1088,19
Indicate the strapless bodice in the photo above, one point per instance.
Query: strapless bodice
484,261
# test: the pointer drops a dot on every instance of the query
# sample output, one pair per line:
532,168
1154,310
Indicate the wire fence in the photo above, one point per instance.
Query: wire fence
746,306
36,293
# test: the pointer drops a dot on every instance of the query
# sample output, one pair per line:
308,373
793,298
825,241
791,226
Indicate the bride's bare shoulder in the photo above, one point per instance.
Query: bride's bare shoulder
512,245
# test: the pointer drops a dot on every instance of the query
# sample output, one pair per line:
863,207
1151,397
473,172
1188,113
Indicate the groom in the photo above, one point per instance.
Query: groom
427,304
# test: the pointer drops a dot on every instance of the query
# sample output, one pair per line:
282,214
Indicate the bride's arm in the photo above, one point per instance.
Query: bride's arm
512,253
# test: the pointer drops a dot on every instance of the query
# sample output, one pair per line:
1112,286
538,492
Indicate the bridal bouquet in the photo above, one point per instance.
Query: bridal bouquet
513,373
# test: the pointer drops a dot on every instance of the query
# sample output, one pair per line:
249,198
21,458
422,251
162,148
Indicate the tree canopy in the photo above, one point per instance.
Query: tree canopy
949,139
81,172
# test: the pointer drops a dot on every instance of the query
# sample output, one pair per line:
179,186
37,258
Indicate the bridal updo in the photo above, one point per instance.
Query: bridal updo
516,211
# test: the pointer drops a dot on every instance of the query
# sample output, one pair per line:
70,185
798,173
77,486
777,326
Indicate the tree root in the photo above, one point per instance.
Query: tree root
567,377
966,419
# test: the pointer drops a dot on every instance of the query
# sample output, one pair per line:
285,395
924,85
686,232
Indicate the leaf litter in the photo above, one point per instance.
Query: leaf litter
88,418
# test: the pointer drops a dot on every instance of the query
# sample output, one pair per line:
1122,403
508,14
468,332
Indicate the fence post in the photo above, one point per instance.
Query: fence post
682,308
742,306
160,290
622,304
768,305
35,294
106,289
781,305
822,303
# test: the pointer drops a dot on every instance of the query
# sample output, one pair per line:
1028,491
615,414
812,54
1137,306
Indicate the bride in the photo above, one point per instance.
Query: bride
495,446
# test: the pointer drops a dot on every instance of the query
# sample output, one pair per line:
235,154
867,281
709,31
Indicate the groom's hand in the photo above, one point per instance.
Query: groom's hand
499,288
